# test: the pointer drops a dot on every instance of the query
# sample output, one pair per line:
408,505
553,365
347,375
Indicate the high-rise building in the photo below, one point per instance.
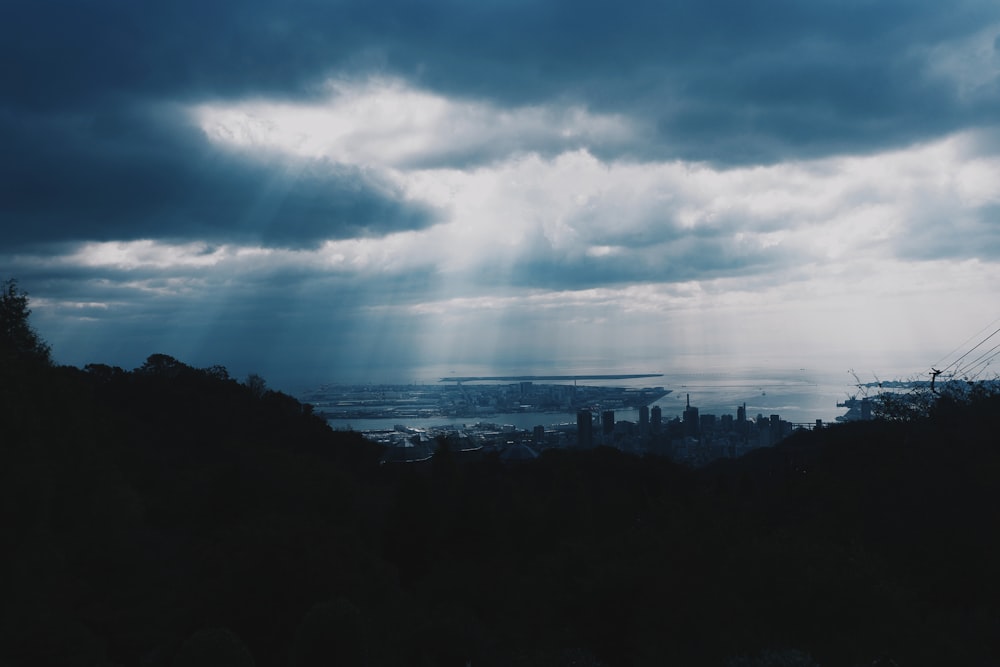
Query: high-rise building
692,424
643,419
585,429
656,417
726,423
608,424
774,429
707,423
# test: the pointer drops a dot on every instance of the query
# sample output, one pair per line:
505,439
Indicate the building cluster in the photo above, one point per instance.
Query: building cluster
692,438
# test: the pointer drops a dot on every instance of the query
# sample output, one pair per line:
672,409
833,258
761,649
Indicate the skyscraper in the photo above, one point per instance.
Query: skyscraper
608,424
585,429
692,424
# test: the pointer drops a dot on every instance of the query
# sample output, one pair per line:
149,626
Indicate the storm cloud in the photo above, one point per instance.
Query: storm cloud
123,174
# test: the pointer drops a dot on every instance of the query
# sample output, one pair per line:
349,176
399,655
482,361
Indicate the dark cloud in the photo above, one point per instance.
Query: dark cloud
71,54
729,82
122,174
726,81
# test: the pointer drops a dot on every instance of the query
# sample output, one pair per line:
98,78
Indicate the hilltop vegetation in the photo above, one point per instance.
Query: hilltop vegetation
169,515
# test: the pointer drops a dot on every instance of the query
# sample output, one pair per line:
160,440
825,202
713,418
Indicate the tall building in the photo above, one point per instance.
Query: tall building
707,423
774,429
608,424
643,419
742,425
585,429
692,423
727,423
656,416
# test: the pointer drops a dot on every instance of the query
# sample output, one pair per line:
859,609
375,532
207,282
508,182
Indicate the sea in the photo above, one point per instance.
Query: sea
798,395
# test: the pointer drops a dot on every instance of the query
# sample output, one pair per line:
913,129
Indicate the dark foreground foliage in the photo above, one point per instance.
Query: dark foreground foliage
174,516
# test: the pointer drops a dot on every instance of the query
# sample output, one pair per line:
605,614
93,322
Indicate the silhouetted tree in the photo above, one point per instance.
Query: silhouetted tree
17,337
161,364
217,371
256,384
103,373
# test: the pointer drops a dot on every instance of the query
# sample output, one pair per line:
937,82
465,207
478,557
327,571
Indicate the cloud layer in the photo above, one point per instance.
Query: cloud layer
314,189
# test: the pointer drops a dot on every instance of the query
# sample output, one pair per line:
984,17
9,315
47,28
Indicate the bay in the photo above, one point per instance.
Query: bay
800,396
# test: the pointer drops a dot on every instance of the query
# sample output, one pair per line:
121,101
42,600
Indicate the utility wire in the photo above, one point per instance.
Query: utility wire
970,351
964,343
972,365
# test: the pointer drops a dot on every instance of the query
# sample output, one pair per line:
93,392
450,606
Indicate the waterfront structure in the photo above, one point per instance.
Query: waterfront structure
859,409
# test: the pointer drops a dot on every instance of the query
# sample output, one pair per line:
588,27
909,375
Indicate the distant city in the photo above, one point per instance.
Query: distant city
692,437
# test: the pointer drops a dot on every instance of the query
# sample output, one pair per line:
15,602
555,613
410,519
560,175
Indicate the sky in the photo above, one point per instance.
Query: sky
347,190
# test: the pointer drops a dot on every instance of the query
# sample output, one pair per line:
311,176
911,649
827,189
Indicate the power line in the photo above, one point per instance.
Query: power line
965,342
982,360
972,349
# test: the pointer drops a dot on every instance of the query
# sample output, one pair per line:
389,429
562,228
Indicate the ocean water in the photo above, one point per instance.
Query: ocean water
797,395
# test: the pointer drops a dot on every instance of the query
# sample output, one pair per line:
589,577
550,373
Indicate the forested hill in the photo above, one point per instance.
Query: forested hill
169,515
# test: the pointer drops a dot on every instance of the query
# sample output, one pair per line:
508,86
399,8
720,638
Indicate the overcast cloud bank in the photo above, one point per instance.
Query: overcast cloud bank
313,190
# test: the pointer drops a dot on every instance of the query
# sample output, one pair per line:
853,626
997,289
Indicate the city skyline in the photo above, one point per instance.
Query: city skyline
346,192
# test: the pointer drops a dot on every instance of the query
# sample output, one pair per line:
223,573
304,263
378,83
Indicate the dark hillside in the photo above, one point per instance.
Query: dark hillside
141,506
171,516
